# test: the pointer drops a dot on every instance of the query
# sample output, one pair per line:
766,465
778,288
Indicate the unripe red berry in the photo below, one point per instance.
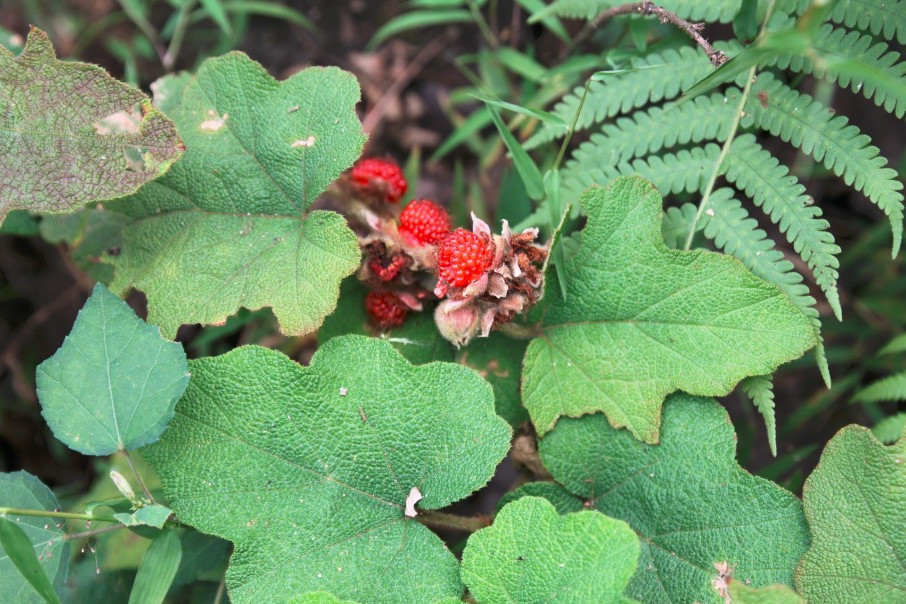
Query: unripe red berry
380,177
463,257
386,309
423,222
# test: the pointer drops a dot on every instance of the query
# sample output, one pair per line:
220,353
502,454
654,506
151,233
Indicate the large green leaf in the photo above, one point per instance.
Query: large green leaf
115,381
229,226
640,321
531,554
855,503
307,470
70,134
23,491
687,498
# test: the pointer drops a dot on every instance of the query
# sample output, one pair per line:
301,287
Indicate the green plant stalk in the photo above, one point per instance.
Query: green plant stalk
734,127
179,33
146,28
138,476
483,25
48,514
572,128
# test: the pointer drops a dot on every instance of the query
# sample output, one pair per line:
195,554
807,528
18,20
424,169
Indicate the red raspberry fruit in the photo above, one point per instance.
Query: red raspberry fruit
380,176
463,257
386,309
423,222
387,269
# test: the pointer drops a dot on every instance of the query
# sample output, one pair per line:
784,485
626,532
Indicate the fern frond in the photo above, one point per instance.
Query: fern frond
653,78
891,429
731,228
687,170
891,388
760,390
881,17
832,140
696,10
676,224
649,131
770,185
881,78
898,344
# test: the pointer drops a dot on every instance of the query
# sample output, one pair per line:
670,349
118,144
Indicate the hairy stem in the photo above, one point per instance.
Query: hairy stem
693,30
442,520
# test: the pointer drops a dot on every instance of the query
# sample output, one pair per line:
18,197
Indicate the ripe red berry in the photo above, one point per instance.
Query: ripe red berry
423,222
463,257
386,309
380,177
388,268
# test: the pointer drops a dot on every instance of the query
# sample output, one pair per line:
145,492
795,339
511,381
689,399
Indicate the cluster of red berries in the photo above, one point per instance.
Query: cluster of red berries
411,253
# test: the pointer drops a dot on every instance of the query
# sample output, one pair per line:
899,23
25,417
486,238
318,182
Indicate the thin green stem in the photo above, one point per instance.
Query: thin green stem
734,127
572,128
95,532
483,24
706,196
179,32
138,476
442,520
48,514
146,28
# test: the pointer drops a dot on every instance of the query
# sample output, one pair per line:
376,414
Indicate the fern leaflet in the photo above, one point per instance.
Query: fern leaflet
770,185
880,17
832,140
891,388
891,429
760,390
696,10
652,78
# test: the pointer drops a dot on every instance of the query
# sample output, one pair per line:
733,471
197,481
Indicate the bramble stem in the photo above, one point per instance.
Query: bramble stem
434,519
693,30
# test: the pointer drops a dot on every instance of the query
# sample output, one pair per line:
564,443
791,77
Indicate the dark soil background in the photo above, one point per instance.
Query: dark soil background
406,86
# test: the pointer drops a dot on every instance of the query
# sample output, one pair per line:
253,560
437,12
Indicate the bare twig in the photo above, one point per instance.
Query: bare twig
376,113
647,8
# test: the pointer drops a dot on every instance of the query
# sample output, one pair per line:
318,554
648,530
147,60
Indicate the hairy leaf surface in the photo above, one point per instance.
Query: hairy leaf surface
307,470
640,321
230,226
855,503
689,501
115,381
70,134
532,554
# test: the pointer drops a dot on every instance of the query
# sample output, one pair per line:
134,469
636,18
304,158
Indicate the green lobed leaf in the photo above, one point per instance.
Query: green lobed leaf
23,491
688,499
562,500
642,321
70,134
230,225
855,503
498,359
159,565
115,381
532,554
740,593
89,233
307,469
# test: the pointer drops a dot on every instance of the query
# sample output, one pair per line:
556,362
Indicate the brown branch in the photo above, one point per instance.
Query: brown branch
442,520
647,8
525,453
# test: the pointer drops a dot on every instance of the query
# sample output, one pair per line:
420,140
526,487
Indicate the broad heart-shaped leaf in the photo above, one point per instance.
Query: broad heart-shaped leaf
229,226
640,321
70,134
115,381
740,593
21,490
532,554
855,503
307,470
687,498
